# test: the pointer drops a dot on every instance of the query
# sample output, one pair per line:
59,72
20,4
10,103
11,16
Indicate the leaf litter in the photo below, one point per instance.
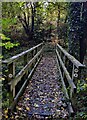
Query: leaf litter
43,97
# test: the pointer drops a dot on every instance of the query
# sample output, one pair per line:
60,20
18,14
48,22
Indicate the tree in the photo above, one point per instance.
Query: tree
27,17
33,16
78,30
24,11
83,41
74,29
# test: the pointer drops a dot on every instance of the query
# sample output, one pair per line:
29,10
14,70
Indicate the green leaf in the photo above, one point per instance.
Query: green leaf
3,37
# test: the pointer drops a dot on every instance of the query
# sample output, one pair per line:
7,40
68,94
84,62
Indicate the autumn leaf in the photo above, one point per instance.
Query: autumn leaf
27,99
6,116
12,117
6,111
36,105
27,108
19,108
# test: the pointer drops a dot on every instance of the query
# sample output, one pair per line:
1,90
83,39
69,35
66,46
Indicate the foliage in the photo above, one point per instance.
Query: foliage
6,43
32,16
81,115
82,87
62,31
82,100
3,37
7,23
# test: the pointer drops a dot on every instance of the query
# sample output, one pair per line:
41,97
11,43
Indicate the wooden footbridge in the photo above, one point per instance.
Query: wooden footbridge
69,70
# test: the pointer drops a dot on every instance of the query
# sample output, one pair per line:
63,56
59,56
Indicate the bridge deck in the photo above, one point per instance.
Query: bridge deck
43,96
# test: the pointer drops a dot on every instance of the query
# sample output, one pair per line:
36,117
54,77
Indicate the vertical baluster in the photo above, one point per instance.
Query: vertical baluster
39,49
32,54
71,91
75,78
36,53
64,59
11,74
64,64
11,70
25,62
73,72
42,47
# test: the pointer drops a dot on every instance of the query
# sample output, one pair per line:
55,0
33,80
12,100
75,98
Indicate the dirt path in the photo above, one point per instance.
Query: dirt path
43,97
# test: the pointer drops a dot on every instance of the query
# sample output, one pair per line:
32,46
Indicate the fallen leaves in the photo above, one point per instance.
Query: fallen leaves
27,99
36,105
43,95
27,108
6,111
18,108
6,116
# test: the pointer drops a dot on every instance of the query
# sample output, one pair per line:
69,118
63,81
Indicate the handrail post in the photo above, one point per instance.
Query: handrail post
11,70
25,62
32,54
10,75
42,46
75,78
71,68
36,53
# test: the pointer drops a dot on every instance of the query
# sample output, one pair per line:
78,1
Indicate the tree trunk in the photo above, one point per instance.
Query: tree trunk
33,11
74,35
83,41
58,19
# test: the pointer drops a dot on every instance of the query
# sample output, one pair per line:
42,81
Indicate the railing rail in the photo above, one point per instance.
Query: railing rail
16,57
23,76
69,69
70,57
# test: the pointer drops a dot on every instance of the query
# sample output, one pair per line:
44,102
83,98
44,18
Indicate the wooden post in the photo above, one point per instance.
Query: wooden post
38,50
11,71
64,58
36,53
25,62
75,77
11,74
25,59
32,54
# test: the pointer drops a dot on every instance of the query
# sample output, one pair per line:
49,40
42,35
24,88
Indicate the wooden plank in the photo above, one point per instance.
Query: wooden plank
18,77
16,57
23,86
70,81
70,57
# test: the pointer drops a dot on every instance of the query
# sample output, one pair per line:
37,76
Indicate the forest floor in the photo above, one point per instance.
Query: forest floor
43,95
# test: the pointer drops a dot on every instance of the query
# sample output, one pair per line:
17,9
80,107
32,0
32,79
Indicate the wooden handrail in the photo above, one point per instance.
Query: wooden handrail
16,57
28,66
18,77
23,87
70,78
71,58
70,81
71,111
